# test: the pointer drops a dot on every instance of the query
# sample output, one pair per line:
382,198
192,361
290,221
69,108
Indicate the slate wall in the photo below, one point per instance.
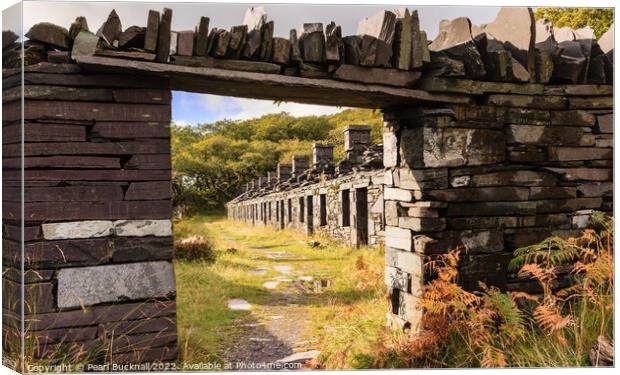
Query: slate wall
97,237
503,172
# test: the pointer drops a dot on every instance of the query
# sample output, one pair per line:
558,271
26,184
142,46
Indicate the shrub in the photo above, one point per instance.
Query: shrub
194,248
489,328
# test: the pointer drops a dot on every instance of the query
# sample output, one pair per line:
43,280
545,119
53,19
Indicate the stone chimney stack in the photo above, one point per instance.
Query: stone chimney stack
284,171
300,164
272,177
356,140
322,152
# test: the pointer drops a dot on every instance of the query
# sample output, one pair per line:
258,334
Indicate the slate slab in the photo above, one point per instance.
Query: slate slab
49,33
87,286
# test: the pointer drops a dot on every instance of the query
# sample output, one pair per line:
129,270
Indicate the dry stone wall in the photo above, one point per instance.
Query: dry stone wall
506,172
97,236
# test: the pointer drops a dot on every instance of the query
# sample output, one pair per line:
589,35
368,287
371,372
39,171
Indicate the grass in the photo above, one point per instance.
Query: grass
348,314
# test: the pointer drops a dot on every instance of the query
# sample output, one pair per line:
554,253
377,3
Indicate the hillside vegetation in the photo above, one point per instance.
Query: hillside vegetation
212,161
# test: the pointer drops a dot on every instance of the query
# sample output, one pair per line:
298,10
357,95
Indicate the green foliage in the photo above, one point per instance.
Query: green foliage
212,161
598,19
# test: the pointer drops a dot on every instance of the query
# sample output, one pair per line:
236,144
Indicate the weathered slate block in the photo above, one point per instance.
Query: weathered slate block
422,179
455,40
139,191
486,194
52,254
132,37
185,43
402,40
475,241
579,153
85,44
398,238
41,110
513,178
37,132
252,44
572,118
59,57
77,229
142,96
239,65
101,314
90,175
49,33
334,47
202,37
163,39
397,194
515,28
95,80
141,228
152,31
352,49
591,102
74,162
422,224
127,130
141,326
153,161
238,35
281,51
38,297
159,146
525,101
450,147
39,211
111,29
220,40
266,44
78,193
605,124
585,174
295,49
392,77
312,43
545,135
86,286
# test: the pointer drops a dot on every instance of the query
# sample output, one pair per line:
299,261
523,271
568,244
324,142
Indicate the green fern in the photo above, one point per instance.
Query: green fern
551,252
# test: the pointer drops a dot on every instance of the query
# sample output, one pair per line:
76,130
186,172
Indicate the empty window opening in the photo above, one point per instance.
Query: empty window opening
346,208
282,214
395,301
277,211
302,210
309,211
323,209
290,210
361,215
269,211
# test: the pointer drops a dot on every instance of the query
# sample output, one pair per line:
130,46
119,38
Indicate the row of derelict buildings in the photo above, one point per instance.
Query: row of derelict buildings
342,200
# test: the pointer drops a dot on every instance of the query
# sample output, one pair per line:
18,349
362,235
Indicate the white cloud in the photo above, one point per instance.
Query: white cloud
242,109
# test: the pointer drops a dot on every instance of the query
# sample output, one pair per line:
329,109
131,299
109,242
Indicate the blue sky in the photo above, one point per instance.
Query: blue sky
190,108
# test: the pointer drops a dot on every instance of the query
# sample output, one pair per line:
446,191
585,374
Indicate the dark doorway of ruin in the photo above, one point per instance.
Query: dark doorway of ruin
361,216
310,218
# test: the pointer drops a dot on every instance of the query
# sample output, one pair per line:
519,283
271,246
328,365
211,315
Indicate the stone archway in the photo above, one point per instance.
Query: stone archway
489,165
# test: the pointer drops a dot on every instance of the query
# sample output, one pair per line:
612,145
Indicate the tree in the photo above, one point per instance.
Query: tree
598,19
210,162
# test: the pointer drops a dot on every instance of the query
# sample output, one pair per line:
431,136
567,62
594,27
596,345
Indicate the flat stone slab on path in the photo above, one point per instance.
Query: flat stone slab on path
239,304
300,357
258,271
285,270
271,284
